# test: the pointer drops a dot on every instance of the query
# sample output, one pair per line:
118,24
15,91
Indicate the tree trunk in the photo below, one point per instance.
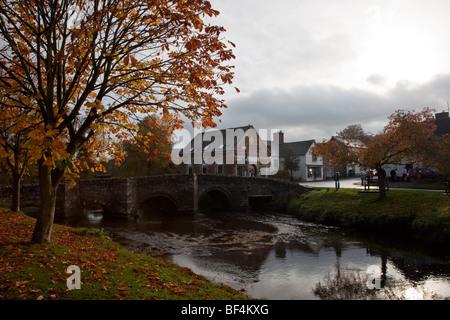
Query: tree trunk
15,205
48,184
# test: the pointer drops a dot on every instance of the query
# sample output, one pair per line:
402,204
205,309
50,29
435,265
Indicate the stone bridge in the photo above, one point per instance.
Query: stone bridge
123,197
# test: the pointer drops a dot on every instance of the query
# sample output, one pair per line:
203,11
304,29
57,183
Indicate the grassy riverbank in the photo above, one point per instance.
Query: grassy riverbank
422,214
108,271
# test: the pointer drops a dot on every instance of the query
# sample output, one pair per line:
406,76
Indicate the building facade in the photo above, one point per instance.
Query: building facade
309,168
233,152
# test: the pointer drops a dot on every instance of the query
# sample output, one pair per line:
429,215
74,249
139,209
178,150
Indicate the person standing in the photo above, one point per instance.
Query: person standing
336,180
404,174
393,175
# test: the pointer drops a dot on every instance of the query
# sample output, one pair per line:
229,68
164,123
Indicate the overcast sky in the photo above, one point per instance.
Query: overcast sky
312,67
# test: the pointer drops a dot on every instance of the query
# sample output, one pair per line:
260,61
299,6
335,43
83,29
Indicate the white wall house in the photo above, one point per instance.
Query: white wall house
310,168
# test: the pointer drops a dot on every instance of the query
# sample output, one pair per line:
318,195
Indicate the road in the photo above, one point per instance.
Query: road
350,183
346,183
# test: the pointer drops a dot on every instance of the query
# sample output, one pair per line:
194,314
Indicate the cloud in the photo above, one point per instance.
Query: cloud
316,112
312,67
377,80
285,44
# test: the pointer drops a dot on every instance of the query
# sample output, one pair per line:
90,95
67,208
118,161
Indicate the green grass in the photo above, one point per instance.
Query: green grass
108,271
420,213
433,184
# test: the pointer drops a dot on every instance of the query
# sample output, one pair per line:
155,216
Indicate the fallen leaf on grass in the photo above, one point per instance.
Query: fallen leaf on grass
118,297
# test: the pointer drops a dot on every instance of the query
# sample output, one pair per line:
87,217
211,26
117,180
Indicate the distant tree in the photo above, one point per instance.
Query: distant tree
149,154
291,162
15,148
354,132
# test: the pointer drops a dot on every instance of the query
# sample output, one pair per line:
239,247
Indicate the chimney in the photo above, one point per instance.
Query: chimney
279,136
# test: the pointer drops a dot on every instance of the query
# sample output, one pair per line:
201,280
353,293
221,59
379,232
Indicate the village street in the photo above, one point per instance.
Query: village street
350,183
346,183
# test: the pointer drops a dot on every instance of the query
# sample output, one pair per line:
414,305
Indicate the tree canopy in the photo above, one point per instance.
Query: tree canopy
83,71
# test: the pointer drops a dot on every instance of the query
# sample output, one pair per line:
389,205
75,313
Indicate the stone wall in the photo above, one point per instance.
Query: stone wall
122,197
180,189
241,188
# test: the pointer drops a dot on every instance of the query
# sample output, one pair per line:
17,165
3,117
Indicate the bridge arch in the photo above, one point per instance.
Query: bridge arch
96,209
215,198
157,205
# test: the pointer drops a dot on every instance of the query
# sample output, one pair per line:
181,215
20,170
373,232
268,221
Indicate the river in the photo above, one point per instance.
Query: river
275,256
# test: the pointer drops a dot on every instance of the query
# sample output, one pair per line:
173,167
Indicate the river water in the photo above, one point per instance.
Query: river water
276,256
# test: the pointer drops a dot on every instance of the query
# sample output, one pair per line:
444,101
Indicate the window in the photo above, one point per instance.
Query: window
314,172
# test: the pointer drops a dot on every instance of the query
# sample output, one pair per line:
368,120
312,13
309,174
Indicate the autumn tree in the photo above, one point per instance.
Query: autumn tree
436,153
16,122
335,154
150,152
14,152
402,139
86,68
440,156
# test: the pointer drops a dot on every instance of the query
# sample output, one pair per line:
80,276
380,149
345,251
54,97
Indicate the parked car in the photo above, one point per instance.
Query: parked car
417,174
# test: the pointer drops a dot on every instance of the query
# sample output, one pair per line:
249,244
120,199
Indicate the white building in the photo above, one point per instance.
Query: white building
310,168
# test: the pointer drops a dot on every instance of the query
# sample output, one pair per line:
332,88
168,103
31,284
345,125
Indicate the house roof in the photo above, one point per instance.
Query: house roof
208,137
353,143
300,148
443,124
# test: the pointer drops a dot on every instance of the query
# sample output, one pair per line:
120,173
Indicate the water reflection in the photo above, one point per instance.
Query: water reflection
276,256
